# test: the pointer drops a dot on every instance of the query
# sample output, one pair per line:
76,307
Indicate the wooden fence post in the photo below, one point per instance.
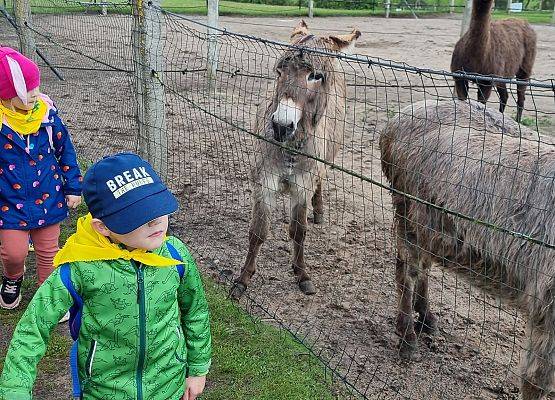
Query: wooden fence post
152,143
310,8
387,8
466,17
22,14
212,55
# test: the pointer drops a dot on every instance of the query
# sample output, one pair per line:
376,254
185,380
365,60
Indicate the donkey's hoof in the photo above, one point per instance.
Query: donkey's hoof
408,351
307,287
318,219
237,290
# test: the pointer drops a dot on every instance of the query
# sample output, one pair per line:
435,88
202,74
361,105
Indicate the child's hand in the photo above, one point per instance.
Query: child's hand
195,386
73,201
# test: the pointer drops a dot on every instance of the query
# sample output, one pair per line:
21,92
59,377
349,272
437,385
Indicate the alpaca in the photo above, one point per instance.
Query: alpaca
504,48
469,159
306,112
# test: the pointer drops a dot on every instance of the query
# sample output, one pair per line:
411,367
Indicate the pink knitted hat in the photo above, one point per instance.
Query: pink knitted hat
18,74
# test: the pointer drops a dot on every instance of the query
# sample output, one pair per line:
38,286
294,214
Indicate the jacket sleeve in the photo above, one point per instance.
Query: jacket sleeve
31,336
65,154
195,317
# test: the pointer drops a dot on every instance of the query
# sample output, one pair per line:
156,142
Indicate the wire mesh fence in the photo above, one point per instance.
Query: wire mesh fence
486,204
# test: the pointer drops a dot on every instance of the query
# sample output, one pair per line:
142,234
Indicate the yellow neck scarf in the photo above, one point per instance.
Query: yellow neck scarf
27,123
88,245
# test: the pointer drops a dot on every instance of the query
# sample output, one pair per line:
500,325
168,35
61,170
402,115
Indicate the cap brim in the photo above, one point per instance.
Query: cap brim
141,212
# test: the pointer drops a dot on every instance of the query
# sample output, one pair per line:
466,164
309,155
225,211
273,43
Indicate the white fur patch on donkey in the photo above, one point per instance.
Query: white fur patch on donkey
287,112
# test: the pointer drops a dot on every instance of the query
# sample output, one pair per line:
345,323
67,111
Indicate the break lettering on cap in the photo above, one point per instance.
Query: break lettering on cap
128,180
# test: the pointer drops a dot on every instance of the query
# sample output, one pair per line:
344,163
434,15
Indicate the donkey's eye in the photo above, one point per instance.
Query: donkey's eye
315,76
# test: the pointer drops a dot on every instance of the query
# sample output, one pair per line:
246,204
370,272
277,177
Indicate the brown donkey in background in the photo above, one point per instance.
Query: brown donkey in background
504,48
306,112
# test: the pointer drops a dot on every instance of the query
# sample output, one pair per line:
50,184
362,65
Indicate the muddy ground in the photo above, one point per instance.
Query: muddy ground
350,320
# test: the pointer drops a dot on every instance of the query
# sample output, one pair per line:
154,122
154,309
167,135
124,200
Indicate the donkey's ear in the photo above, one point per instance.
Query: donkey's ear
345,43
299,31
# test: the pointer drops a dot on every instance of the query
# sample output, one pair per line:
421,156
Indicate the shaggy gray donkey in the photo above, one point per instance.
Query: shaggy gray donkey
469,159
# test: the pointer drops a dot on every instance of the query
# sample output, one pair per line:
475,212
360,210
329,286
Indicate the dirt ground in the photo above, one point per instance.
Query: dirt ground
349,322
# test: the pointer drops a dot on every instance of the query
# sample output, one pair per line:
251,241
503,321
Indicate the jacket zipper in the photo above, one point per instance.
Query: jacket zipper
142,330
90,358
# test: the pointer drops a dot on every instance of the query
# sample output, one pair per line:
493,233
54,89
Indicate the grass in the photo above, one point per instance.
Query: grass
198,7
256,361
251,360
534,17
263,10
532,122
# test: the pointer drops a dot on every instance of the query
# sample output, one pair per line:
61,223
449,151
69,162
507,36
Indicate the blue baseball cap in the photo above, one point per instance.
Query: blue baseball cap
125,192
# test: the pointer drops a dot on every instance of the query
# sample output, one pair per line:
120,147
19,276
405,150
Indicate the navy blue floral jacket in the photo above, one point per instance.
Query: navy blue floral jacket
37,171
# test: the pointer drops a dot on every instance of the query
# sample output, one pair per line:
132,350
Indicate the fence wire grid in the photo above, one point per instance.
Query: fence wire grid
350,322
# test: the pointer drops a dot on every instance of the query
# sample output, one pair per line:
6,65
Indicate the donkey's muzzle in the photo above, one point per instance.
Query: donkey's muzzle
281,132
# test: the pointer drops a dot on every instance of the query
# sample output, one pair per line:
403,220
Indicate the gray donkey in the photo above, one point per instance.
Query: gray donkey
470,159
305,112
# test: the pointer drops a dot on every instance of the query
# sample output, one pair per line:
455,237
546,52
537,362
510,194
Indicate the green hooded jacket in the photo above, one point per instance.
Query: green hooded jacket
143,330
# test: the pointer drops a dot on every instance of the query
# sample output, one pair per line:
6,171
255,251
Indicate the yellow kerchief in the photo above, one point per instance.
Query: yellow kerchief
86,244
27,123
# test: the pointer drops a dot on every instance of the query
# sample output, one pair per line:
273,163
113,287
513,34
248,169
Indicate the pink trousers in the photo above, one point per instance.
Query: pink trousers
14,247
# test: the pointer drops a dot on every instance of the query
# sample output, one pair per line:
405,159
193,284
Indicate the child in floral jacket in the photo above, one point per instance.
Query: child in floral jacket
39,175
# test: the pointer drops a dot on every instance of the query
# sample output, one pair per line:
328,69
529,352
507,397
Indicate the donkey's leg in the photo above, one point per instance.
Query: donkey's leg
427,321
538,368
297,232
318,203
461,88
405,277
257,235
406,274
503,95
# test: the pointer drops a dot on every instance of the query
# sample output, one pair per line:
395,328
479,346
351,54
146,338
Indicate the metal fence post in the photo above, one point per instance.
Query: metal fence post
152,143
212,55
467,15
22,13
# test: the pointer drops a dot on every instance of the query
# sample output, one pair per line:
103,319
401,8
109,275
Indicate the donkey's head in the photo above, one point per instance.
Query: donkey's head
305,81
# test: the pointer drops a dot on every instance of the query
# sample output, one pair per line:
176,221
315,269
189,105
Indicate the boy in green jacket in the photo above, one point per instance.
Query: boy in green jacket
139,313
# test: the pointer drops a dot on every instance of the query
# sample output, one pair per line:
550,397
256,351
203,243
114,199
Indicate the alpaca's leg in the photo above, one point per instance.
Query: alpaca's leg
503,95
257,235
522,74
297,232
427,321
461,88
538,369
520,95
405,278
484,91
318,203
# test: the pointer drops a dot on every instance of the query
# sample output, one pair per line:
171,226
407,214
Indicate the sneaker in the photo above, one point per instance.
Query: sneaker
10,293
65,318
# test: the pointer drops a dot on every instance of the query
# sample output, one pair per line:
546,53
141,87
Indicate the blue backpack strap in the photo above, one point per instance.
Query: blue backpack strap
75,313
176,256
